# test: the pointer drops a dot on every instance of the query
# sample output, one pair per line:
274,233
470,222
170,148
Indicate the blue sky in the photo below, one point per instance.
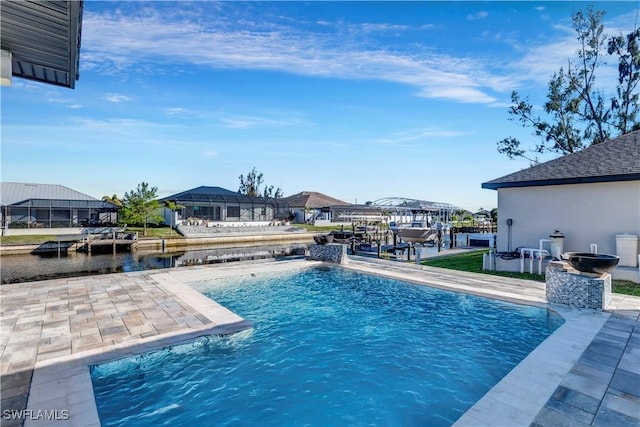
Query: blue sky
357,100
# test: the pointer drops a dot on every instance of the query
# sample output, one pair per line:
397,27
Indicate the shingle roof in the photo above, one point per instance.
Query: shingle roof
312,199
210,191
15,192
613,160
214,194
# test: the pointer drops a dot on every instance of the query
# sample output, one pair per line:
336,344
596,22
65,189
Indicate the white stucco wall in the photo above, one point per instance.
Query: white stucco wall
584,213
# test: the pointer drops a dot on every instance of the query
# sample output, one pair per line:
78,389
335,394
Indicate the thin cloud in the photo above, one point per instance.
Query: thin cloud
56,98
244,122
129,42
415,135
382,27
460,94
117,98
176,111
118,43
478,15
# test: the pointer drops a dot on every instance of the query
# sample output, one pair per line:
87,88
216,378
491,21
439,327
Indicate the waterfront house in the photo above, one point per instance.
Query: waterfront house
590,196
311,206
219,206
37,208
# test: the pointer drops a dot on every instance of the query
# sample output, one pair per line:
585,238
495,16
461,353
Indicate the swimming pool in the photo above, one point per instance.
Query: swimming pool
329,347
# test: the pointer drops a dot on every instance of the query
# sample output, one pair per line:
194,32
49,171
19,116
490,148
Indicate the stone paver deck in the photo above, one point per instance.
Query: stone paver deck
584,374
47,322
603,387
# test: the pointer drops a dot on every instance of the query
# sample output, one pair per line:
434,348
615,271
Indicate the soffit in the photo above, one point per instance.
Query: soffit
43,38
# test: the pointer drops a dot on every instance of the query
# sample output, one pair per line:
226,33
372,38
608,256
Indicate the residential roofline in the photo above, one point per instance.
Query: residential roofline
564,181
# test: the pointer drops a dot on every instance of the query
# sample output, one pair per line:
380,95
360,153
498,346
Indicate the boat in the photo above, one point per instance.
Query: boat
417,232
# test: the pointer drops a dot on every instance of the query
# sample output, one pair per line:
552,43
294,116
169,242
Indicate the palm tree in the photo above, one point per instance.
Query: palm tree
112,199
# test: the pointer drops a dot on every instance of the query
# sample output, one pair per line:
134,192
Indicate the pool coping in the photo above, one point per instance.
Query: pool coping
74,403
508,403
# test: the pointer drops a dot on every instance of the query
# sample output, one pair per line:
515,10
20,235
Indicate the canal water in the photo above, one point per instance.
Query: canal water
27,268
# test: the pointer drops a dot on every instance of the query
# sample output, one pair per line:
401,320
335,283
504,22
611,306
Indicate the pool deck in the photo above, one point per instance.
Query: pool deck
586,373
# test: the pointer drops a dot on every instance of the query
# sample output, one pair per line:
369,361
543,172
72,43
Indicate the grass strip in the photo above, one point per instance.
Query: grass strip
472,262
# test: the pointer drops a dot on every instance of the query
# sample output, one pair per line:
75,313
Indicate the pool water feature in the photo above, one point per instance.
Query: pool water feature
329,347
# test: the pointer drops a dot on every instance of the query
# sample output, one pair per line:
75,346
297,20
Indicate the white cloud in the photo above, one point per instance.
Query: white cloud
457,93
118,43
56,97
243,122
478,15
117,98
176,111
382,27
413,135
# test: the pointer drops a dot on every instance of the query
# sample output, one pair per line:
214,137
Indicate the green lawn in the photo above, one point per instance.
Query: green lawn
472,262
26,239
152,233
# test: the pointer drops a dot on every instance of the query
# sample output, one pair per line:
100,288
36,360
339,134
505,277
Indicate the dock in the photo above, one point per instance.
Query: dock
108,240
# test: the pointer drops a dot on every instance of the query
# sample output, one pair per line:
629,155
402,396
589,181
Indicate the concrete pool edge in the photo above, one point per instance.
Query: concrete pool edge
518,397
70,374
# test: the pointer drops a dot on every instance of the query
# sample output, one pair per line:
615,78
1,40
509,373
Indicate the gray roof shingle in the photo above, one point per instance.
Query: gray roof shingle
613,160
312,199
15,192
214,195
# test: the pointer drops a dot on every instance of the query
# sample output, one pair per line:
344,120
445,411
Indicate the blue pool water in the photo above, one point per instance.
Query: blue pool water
329,347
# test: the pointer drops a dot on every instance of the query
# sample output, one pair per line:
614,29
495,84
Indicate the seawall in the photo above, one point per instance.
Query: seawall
190,242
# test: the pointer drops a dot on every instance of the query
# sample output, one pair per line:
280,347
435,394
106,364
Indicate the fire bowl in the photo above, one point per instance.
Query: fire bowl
592,263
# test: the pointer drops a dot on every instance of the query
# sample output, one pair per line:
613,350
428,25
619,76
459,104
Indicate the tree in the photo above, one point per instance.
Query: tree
140,206
578,113
628,51
494,215
250,186
172,206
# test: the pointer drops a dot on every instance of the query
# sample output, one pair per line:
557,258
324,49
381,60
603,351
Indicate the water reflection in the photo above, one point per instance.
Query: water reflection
26,268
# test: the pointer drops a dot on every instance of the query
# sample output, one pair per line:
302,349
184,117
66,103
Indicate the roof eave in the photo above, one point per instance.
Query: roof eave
44,40
565,181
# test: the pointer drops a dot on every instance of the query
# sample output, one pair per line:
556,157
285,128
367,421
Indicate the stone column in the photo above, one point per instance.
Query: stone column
565,285
332,252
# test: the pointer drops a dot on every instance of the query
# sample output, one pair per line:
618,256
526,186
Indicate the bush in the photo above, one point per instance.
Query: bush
19,224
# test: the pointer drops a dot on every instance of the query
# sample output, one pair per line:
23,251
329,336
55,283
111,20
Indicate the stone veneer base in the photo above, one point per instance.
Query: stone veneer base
567,286
332,252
